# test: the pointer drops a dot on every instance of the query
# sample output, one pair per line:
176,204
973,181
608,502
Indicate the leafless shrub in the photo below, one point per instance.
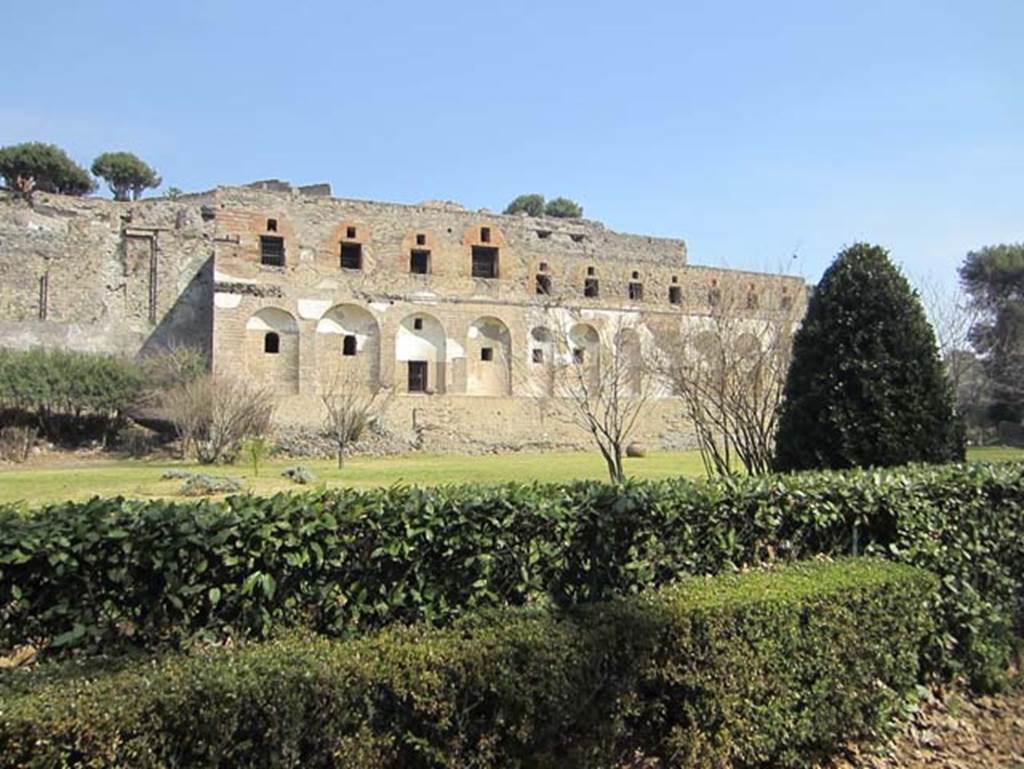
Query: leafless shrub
213,415
729,369
351,403
596,377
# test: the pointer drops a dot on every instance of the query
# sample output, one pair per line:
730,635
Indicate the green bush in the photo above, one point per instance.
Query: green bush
104,573
828,653
69,394
866,387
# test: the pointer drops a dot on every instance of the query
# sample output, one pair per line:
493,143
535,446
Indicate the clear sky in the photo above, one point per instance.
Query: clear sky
754,130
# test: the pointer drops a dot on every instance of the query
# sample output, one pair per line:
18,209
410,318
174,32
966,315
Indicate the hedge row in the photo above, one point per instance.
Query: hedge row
152,574
828,653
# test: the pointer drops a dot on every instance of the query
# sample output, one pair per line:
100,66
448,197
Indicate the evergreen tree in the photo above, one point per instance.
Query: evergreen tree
866,386
125,174
43,167
532,204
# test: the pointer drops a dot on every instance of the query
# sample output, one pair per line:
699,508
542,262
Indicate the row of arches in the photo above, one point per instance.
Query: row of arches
348,344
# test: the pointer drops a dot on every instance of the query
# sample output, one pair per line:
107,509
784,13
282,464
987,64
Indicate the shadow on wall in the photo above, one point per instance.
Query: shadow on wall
189,322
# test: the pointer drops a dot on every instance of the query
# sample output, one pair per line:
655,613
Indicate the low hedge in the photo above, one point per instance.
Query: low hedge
109,572
759,669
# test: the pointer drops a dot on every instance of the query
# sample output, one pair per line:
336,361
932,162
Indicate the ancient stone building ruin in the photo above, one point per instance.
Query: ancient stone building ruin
457,311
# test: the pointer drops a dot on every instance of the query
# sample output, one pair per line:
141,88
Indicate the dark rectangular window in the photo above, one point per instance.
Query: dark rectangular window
487,353
271,343
591,289
538,355
544,285
350,232
348,345
419,262
421,240
636,291
351,256
272,251
485,234
485,262
271,225
675,295
417,376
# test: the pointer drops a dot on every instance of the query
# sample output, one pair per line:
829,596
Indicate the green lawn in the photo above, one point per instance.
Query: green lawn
137,478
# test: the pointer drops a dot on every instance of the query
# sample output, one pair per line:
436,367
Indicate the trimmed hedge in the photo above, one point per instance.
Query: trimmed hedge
825,653
103,573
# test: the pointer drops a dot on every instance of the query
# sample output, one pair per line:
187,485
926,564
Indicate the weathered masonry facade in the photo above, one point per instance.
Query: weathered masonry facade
453,310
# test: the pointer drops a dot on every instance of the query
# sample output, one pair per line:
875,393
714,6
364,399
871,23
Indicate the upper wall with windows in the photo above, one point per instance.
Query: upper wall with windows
282,238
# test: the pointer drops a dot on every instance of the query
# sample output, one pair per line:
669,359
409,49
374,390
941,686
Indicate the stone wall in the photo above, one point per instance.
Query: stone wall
98,275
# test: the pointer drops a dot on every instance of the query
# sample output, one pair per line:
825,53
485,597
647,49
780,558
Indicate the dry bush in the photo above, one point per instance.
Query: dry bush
213,415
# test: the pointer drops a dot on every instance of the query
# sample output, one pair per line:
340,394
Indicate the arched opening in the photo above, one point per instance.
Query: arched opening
629,359
488,358
585,352
347,347
272,349
541,362
420,352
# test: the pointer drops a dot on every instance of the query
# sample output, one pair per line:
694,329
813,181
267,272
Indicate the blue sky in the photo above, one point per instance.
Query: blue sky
754,130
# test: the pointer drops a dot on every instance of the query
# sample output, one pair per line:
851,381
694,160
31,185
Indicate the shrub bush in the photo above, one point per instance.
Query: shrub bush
70,395
828,653
106,572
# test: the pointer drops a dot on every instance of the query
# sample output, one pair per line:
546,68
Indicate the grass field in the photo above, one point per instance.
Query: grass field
68,479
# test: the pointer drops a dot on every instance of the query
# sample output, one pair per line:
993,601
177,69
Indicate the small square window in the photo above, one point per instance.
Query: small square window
272,251
591,289
348,345
417,324
351,256
419,262
636,292
485,234
421,239
350,232
590,271
537,355
271,225
487,353
636,275
675,278
675,295
543,285
271,343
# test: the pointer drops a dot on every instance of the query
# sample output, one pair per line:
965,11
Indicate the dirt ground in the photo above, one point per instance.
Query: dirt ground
955,734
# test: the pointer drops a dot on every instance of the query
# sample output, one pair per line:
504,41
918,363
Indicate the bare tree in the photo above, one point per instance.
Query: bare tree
351,403
728,368
952,316
214,414
595,377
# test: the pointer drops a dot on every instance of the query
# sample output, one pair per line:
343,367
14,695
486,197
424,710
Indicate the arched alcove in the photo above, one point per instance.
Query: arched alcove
488,358
272,349
420,352
348,347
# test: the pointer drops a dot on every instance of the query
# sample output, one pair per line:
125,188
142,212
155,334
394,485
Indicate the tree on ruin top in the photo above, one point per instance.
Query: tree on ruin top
126,175
44,167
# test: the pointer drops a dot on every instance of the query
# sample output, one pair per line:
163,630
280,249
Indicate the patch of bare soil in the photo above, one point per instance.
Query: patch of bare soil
956,733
